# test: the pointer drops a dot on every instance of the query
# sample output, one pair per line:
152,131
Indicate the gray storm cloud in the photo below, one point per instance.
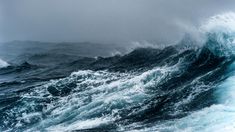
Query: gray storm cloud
103,20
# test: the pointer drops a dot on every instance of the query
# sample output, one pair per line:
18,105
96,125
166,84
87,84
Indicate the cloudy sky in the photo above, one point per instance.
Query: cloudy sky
104,21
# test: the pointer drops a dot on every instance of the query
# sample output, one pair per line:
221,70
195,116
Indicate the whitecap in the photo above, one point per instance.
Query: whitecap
3,63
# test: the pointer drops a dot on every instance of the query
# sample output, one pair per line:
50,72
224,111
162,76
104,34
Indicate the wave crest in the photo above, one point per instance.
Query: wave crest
3,63
219,31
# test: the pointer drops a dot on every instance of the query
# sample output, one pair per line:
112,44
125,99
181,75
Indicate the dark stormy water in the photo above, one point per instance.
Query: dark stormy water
186,87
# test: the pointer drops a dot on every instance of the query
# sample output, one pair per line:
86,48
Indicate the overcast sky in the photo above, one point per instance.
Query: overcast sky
104,21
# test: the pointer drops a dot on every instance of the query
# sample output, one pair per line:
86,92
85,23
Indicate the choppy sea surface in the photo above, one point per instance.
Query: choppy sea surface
186,87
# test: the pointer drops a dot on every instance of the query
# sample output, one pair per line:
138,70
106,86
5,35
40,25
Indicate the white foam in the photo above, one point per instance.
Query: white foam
3,63
220,23
79,125
98,97
219,117
221,28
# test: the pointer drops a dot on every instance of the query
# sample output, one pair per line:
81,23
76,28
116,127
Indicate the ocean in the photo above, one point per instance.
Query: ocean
188,86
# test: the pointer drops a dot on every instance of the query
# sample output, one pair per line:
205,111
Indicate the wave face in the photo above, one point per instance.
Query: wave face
179,88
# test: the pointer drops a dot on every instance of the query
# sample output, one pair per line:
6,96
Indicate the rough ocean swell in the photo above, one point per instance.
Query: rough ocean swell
186,87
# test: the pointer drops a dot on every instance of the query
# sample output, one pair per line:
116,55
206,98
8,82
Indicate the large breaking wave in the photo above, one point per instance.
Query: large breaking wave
179,88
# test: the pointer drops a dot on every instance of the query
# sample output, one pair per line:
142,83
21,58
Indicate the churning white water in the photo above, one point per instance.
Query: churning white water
218,117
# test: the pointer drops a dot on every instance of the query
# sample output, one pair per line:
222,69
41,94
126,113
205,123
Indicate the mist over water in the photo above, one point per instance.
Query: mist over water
106,21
